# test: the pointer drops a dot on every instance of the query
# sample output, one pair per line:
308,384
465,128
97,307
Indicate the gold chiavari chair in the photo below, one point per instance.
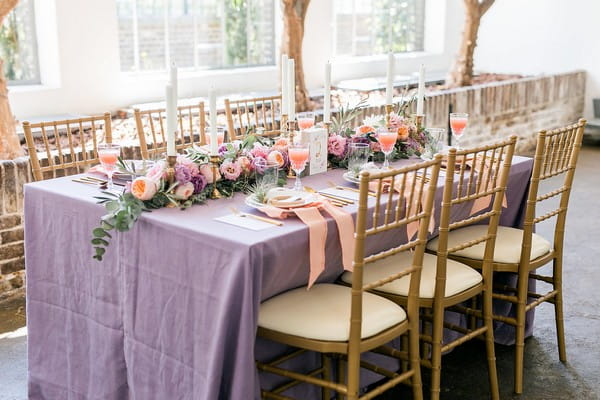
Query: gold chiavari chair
73,150
260,113
482,172
521,251
151,124
347,321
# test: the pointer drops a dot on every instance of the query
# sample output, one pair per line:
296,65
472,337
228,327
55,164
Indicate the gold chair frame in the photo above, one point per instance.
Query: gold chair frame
61,159
258,112
556,153
183,141
349,351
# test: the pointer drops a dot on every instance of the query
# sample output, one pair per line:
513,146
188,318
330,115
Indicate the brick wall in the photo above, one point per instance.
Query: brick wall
497,110
13,174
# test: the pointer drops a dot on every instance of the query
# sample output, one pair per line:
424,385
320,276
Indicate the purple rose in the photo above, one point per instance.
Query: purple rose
259,164
199,182
182,174
336,145
222,149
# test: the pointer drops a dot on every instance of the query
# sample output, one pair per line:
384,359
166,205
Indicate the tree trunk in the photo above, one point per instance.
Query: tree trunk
10,147
462,73
294,13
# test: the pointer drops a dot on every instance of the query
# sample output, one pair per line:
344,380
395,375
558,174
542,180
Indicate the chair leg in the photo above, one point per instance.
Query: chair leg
436,351
326,364
404,346
341,370
489,344
415,361
353,375
558,310
523,285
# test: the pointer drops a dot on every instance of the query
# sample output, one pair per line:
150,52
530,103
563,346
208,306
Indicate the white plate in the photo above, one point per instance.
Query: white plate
349,177
305,198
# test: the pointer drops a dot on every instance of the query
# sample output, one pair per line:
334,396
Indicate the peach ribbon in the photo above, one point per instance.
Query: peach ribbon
317,233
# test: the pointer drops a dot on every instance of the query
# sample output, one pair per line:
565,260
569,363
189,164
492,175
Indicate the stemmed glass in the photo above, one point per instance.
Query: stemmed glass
220,136
298,154
458,123
306,120
109,153
435,142
358,156
387,140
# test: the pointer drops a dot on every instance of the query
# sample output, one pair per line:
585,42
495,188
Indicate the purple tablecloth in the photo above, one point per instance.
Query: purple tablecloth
171,312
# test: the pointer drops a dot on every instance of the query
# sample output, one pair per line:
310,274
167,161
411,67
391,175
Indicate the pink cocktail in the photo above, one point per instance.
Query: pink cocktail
220,137
298,154
306,120
387,140
108,154
458,123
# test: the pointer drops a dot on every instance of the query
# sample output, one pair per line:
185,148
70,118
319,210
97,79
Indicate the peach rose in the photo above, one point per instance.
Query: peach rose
403,133
364,129
183,192
206,170
143,188
276,157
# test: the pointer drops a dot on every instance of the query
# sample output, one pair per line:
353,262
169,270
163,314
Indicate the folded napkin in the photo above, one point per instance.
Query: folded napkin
317,232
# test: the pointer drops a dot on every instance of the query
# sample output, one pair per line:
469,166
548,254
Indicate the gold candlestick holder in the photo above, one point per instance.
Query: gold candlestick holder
328,127
283,125
291,130
171,161
214,160
419,121
388,112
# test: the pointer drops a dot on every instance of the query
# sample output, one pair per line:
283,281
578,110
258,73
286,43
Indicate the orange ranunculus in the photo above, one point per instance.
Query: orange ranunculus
403,133
364,129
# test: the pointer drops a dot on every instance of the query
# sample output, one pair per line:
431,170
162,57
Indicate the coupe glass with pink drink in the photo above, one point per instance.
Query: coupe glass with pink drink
387,140
458,124
108,154
220,136
298,154
306,120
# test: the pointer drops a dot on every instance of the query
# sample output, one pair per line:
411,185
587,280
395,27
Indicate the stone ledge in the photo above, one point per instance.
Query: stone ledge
11,235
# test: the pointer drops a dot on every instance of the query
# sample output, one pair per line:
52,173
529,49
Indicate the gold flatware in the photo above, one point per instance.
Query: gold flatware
86,182
98,181
351,189
239,213
339,201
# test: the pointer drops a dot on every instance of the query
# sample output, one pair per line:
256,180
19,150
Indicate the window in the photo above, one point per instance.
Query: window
197,34
18,47
370,27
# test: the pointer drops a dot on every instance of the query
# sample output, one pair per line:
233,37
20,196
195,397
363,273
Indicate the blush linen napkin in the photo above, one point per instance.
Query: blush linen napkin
312,216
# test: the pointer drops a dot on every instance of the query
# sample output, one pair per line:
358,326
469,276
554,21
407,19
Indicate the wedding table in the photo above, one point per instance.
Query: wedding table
171,311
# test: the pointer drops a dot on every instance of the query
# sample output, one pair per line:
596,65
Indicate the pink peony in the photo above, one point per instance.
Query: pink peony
260,150
207,172
158,171
183,192
336,145
231,170
144,188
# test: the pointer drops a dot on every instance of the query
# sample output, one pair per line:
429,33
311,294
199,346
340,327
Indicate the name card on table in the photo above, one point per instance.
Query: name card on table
316,138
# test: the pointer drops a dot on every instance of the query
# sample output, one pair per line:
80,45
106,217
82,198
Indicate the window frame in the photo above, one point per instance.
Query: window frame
34,44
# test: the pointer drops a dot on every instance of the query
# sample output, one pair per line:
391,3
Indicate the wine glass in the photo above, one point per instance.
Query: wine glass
298,154
458,123
306,120
220,136
387,140
435,142
109,153
358,156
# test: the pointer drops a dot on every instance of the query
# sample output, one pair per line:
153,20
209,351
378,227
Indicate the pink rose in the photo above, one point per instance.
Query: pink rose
158,171
183,192
231,170
207,171
144,188
260,150
276,156
336,145
245,163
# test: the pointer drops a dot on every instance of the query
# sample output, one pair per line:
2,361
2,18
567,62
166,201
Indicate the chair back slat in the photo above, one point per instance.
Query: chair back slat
151,129
74,156
400,194
556,154
252,113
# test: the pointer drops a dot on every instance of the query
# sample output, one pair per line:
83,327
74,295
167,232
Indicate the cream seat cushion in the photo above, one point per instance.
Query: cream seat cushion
323,313
459,277
508,244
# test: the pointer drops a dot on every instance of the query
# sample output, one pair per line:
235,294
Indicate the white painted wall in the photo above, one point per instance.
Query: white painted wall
542,36
79,54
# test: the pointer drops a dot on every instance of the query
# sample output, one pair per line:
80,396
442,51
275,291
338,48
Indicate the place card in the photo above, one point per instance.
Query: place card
316,138
245,222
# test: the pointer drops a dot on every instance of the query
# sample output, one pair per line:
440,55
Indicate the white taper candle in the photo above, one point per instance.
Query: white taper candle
171,111
292,89
212,109
284,84
421,90
389,87
327,94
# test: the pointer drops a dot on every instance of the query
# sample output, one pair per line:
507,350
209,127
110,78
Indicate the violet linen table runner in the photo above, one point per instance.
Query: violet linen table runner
171,312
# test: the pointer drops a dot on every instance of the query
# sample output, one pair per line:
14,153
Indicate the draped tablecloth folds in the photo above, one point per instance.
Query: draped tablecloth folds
171,312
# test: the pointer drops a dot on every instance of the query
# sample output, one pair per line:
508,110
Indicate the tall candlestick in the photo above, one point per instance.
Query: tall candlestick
389,88
171,110
174,81
212,109
327,95
421,90
284,84
292,90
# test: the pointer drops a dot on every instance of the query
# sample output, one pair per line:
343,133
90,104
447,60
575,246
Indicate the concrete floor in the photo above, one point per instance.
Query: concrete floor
464,371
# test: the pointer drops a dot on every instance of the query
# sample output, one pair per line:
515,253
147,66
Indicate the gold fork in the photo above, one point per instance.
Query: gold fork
239,213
